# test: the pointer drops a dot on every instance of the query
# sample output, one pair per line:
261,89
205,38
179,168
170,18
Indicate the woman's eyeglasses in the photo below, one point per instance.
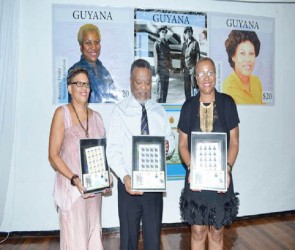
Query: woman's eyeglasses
202,74
80,84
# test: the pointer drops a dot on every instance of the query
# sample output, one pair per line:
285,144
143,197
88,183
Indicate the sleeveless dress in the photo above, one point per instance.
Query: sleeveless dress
79,218
209,207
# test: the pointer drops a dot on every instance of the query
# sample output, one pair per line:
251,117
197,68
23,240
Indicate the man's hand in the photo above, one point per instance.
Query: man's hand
166,146
108,191
127,182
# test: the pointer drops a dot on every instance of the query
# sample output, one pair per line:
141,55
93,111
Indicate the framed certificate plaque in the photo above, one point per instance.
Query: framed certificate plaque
95,170
208,170
149,164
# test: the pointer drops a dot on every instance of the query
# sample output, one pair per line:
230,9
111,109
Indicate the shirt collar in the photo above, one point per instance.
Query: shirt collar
135,102
98,62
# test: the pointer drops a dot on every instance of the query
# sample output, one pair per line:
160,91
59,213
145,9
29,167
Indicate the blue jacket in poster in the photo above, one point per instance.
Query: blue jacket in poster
103,89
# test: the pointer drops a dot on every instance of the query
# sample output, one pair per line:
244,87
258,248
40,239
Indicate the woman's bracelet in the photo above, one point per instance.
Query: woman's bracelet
74,177
229,167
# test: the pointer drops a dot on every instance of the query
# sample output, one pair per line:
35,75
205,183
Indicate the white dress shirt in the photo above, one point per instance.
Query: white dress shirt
125,122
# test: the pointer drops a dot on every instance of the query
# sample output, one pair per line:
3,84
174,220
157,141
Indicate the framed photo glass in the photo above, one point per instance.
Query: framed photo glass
95,170
208,169
148,163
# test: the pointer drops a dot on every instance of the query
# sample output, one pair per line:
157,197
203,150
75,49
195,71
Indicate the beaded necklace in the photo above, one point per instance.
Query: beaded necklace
86,130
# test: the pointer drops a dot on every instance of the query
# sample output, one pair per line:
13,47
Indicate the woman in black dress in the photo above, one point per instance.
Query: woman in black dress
209,111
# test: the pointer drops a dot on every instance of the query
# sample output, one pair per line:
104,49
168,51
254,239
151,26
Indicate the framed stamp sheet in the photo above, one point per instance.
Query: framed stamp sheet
149,163
208,161
95,170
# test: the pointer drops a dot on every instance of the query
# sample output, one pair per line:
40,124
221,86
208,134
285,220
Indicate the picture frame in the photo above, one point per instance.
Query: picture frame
94,167
208,170
149,172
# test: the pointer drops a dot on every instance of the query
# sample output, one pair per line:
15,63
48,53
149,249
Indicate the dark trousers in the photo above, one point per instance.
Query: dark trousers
162,86
189,83
147,208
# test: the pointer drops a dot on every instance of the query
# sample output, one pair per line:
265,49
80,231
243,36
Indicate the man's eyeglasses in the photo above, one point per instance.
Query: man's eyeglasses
80,84
202,74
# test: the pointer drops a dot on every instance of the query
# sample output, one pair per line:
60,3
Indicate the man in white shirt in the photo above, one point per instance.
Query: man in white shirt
125,122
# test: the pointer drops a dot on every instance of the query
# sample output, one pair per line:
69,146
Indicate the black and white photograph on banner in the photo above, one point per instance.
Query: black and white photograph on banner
172,41
91,37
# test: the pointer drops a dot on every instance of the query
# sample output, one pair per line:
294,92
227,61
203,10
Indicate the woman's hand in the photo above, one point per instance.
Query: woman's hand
127,182
82,189
227,183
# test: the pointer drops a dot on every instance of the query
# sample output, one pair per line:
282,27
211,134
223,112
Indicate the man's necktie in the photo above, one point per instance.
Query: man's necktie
144,122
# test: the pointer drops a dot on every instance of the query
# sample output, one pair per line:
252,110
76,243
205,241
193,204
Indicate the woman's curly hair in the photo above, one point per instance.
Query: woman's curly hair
236,37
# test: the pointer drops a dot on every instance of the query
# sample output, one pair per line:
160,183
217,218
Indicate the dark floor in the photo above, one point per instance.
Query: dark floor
262,232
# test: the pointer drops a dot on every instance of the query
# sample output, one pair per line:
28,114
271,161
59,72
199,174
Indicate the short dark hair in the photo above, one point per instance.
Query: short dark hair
162,28
236,37
140,63
75,71
204,59
188,28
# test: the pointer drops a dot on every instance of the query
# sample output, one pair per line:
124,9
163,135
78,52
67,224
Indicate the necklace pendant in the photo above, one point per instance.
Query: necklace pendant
206,117
86,130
